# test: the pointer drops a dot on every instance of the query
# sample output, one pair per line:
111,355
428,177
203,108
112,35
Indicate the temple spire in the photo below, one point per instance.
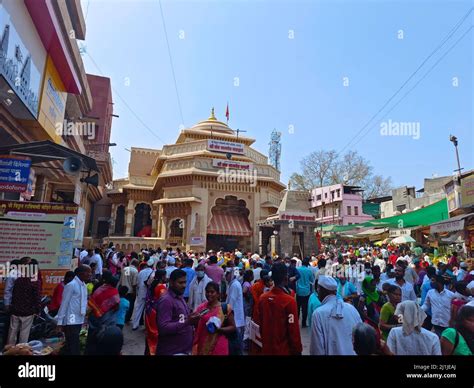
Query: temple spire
212,117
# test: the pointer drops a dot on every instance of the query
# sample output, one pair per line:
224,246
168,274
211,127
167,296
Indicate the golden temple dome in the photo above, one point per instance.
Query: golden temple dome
212,124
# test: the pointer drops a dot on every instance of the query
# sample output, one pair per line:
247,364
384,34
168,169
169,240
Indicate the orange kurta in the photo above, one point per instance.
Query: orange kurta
279,324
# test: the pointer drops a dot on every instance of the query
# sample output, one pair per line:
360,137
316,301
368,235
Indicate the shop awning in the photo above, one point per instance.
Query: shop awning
163,201
436,212
229,225
43,151
371,232
452,224
454,238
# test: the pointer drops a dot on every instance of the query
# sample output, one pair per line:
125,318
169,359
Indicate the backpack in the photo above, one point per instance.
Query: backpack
232,336
456,342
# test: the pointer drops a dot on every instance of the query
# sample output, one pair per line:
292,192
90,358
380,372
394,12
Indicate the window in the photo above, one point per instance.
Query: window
356,211
317,213
332,194
338,192
401,208
349,211
325,195
324,212
318,197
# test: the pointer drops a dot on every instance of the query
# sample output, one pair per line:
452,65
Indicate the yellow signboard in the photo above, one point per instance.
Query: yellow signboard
52,103
467,191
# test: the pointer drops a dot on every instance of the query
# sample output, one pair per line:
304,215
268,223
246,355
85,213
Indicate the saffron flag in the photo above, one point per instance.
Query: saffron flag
227,112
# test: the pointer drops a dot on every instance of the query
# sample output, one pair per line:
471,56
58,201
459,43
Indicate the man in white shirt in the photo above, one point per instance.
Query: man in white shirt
236,300
256,272
9,283
298,261
379,261
97,258
438,300
411,339
129,279
408,292
197,288
332,322
142,288
73,309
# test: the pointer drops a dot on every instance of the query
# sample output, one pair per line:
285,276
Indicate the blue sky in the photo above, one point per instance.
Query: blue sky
297,85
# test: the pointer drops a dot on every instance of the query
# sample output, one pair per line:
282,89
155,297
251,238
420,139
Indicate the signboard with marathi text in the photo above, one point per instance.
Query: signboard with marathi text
43,231
22,57
447,226
197,241
14,173
295,216
225,146
52,103
221,163
399,232
467,191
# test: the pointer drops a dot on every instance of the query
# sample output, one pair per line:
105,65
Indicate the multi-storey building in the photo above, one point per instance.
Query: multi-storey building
338,205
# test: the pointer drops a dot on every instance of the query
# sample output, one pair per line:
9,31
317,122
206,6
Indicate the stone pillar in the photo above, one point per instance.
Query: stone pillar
154,220
113,216
129,214
286,240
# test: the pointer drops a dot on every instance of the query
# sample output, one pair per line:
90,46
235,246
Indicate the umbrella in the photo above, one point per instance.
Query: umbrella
378,243
403,240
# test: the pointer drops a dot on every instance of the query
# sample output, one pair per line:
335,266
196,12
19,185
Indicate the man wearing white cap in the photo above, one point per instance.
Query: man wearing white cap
461,274
171,266
332,322
142,288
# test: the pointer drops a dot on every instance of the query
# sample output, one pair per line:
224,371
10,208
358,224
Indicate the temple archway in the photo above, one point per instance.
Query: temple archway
142,220
120,221
229,226
177,228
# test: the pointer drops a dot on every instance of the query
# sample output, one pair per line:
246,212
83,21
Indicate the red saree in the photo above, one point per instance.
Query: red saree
151,328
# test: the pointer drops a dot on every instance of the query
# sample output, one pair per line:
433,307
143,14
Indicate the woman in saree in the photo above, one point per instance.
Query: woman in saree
371,301
216,323
156,290
103,304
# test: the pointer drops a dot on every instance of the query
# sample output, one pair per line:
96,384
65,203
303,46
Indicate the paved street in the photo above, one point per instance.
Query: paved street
134,341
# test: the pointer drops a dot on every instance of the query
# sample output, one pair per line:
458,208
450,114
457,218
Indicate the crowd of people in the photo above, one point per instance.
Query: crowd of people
354,300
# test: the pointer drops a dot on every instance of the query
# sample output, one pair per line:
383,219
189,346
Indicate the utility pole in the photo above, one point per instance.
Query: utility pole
453,139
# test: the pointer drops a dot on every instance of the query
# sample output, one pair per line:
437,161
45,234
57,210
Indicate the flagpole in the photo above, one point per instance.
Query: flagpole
227,113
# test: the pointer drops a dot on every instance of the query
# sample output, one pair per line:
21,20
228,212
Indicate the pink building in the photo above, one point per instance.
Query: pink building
338,205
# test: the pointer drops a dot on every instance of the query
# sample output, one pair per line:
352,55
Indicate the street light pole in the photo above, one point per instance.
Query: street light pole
454,140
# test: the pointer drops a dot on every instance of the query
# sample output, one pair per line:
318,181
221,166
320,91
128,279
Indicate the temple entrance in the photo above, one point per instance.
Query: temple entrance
229,226
216,242
120,221
142,220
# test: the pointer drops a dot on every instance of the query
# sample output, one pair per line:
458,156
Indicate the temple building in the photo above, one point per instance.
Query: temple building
206,191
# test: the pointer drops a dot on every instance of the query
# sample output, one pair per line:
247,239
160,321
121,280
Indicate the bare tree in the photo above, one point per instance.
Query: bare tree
299,182
377,186
316,170
352,169
321,168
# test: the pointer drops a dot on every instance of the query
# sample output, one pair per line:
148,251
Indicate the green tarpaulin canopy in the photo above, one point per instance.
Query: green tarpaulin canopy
428,215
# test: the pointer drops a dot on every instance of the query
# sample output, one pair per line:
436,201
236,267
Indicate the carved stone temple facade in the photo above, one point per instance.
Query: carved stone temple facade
206,191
